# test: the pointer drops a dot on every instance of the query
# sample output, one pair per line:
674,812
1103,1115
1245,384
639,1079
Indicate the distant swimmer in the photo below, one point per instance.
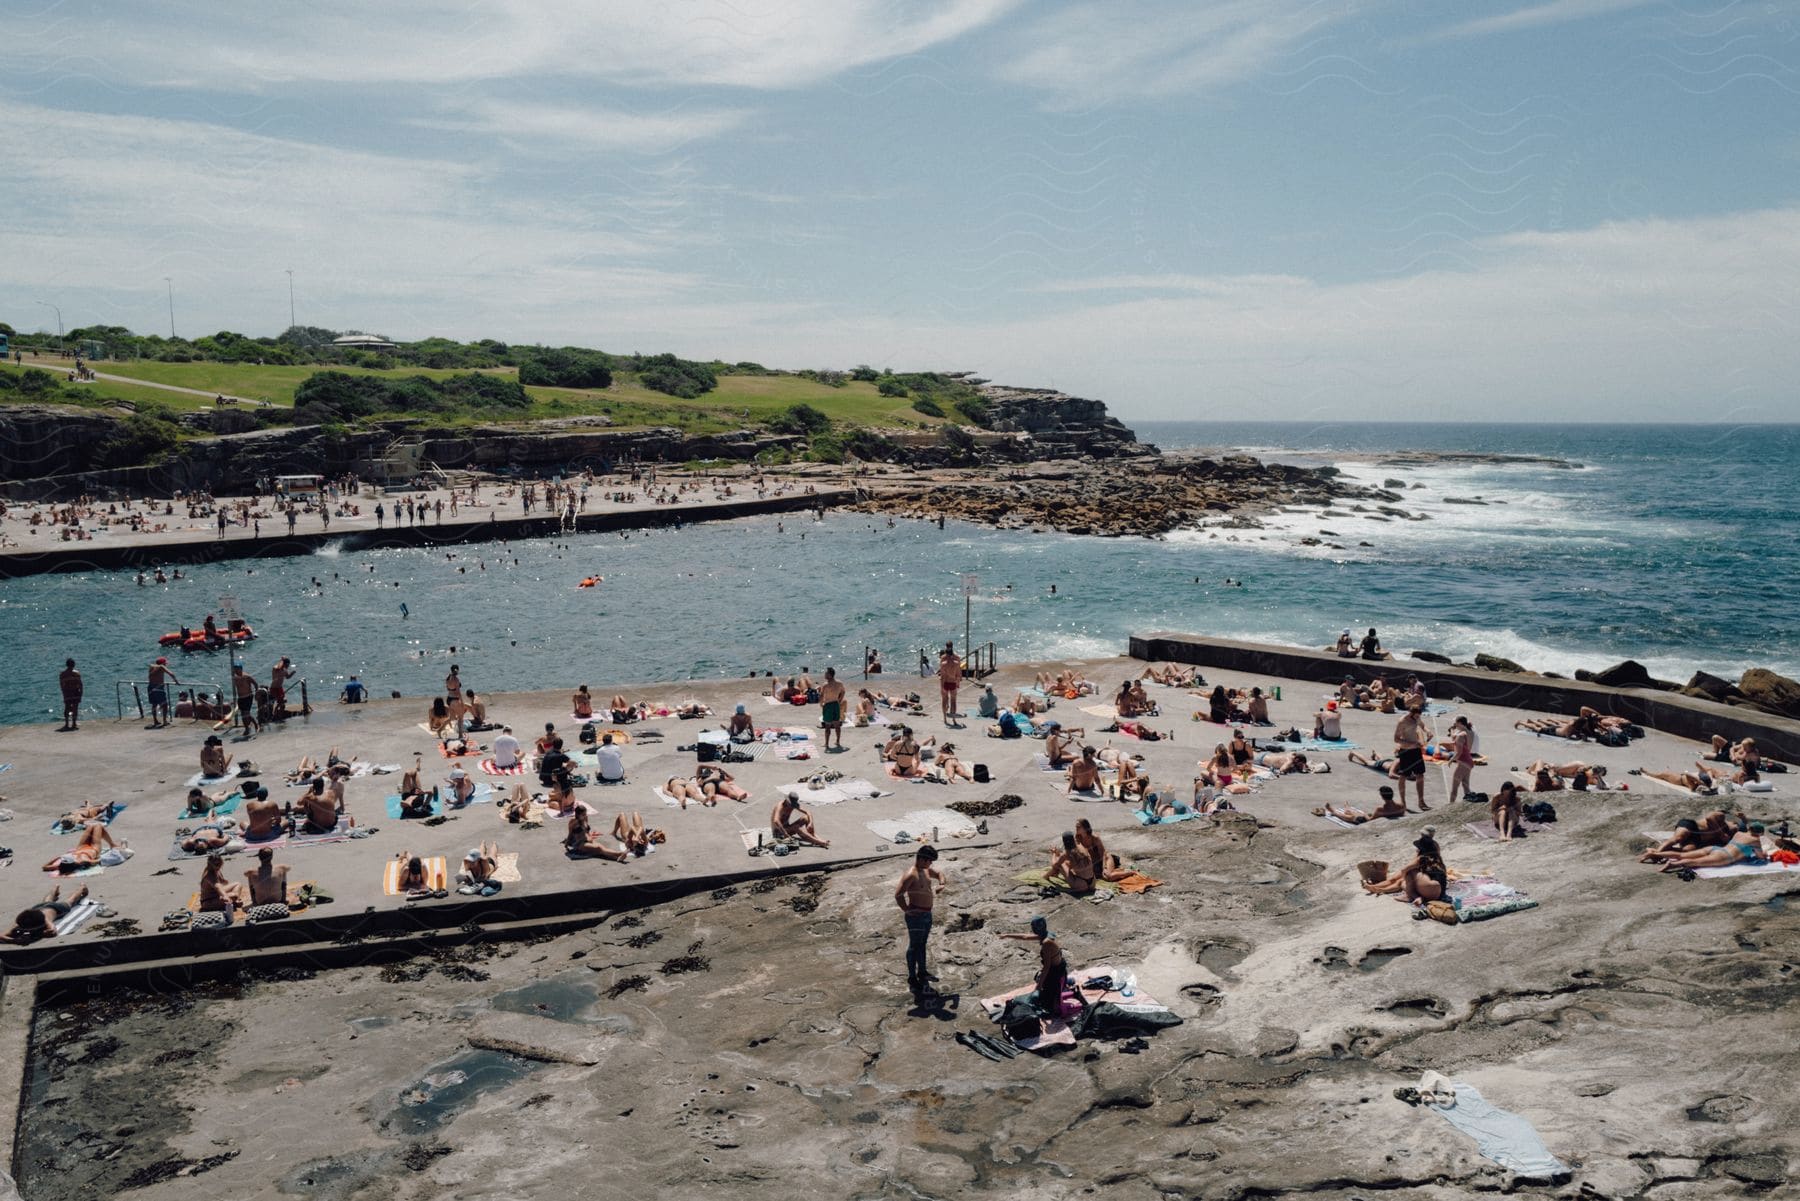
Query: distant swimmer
404,611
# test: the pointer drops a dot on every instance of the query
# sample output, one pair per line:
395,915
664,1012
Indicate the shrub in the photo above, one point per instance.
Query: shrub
676,377
864,373
139,438
338,396
891,387
567,367
927,406
800,419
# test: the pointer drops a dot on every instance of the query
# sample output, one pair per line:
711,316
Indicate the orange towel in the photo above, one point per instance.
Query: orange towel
437,875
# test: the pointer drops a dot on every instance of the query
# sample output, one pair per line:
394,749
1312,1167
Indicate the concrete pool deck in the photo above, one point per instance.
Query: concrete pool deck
148,769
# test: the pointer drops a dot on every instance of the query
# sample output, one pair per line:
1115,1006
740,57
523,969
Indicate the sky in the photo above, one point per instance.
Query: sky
1520,210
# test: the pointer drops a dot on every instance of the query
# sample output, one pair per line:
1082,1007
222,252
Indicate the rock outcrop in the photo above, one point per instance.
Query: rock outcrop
1770,692
1629,674
1059,426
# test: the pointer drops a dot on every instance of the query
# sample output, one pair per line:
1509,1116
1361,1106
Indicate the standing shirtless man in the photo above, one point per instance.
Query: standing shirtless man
159,679
243,685
915,894
949,676
1410,736
831,707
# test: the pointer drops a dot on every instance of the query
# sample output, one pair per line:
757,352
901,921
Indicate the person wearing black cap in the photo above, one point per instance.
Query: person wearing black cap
214,762
1053,968
915,895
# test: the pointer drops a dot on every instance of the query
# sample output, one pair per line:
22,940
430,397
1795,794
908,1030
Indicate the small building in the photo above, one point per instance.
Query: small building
364,342
299,487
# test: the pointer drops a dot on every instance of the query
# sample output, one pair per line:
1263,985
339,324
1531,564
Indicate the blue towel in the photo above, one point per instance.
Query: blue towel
1144,819
225,807
1506,1138
1311,746
56,827
394,810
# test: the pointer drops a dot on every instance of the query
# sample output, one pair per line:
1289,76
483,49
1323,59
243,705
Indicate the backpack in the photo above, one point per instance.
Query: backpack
706,752
1009,726
587,735
1613,738
1479,798
981,773
1541,812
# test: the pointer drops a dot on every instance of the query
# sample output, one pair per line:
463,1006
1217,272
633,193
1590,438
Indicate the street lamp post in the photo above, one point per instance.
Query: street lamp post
59,322
291,321
171,284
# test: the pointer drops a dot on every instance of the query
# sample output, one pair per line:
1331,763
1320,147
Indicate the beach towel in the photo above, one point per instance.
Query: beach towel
591,718
1135,881
1042,763
437,875
397,812
1341,823
1745,869
1478,898
1309,746
1057,1031
834,793
483,794
94,869
201,779
295,841
919,823
1491,832
77,916
1037,879
506,871
517,769
1080,794
57,826
1110,712
1506,1138
224,808
1527,779
1145,819
231,848
666,798
472,748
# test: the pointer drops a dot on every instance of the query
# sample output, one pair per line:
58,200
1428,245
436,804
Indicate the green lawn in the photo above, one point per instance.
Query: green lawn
101,393
739,400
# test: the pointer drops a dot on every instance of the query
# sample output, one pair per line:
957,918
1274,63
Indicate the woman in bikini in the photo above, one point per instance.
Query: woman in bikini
1503,810
632,835
1107,865
685,788
1071,867
218,895
582,703
581,842
716,782
950,768
94,841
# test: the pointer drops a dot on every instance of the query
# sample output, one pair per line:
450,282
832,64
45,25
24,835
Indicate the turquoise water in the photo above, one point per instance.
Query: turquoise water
1672,545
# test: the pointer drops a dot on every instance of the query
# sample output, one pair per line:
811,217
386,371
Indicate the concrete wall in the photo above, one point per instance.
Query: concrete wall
1670,712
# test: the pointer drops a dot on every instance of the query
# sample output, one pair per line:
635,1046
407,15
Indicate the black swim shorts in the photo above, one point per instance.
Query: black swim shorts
1411,765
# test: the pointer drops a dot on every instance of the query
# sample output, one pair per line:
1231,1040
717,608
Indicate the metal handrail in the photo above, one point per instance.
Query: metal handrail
195,686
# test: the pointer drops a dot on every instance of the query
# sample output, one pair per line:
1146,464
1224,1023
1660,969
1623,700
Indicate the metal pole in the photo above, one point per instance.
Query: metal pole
171,284
291,321
968,642
59,322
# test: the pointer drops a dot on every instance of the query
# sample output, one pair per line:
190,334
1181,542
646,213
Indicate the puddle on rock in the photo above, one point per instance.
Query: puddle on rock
561,999
1380,957
447,1088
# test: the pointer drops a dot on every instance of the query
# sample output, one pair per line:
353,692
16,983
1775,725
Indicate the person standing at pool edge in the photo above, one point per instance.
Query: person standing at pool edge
160,675
949,676
70,682
831,708
915,895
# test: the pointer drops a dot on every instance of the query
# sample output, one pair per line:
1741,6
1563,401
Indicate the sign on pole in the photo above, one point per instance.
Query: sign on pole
971,585
228,607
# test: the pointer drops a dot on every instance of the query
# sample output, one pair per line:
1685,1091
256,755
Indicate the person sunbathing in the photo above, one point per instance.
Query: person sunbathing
415,801
790,820
1256,709
77,819
632,835
304,771
517,806
1141,703
1139,730
1156,806
461,787
213,836
1071,867
865,707
217,894
320,812
1110,756
1546,781
624,712
685,788
476,876
414,881
716,782
1744,848
1390,807
1504,810
1584,724
1026,705
1711,830
582,703
1700,781
214,762
1381,763
1288,763
1423,879
950,768
560,800
476,709
581,842
689,710
1131,782
95,840
1084,773
1218,705
439,721
39,921
1060,748
1052,977
740,728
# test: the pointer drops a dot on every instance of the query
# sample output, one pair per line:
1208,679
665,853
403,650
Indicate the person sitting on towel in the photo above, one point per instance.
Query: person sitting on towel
1132,782
555,763
40,920
790,820
319,808
903,751
506,749
217,894
581,841
582,703
741,728
609,761
1503,810
262,817
1071,867
1060,747
634,837
988,705
477,871
268,883
1053,969
1256,709
462,787
1328,723
1084,773
214,762
1391,806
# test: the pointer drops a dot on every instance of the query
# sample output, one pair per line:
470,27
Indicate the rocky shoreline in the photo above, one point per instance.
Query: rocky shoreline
1145,496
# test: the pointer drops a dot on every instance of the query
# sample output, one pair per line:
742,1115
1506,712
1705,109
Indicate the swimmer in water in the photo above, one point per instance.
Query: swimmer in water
404,611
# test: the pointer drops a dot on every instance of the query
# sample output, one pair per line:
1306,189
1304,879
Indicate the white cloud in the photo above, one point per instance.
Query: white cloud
740,43
547,128
1098,51
1554,12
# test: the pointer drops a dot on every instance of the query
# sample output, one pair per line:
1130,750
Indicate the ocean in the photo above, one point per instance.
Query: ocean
1672,545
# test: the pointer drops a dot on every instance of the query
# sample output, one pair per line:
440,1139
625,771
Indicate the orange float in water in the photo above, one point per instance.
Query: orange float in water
591,581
